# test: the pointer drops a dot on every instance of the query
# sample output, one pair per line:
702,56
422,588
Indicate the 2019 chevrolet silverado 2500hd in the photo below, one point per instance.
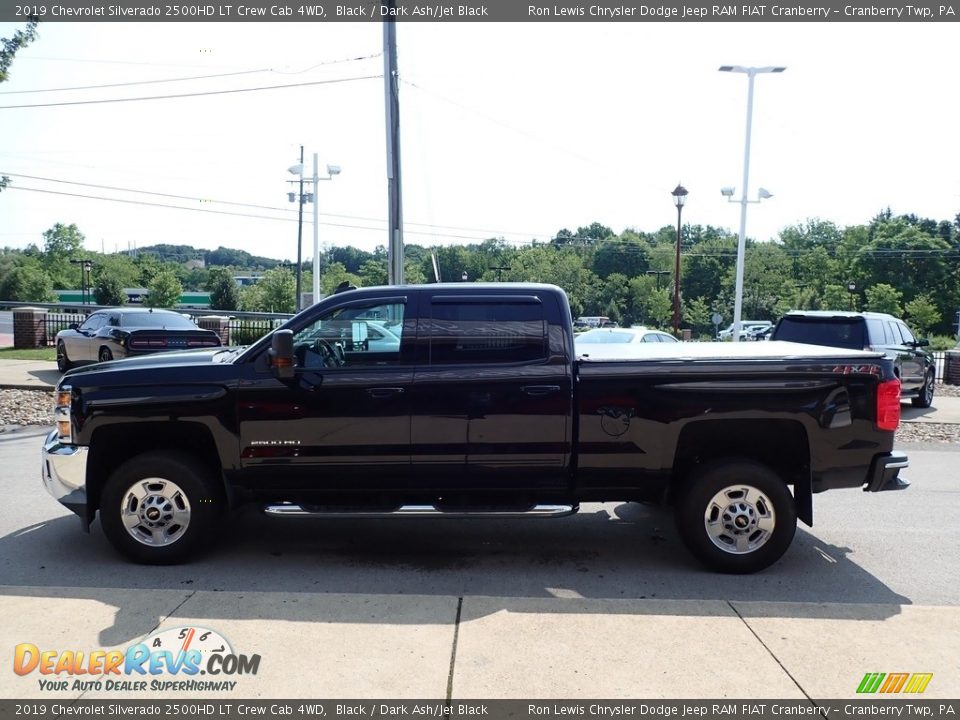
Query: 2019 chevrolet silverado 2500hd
480,408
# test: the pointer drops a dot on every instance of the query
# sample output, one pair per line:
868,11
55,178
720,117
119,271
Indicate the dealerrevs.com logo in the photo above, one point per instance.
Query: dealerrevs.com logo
894,683
170,660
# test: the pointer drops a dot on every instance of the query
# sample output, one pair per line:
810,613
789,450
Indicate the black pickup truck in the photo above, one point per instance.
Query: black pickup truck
467,401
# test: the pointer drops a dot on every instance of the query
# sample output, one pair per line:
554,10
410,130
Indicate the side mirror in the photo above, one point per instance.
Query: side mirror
74,326
923,343
281,354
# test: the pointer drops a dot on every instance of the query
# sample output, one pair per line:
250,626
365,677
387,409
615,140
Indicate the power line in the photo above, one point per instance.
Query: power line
138,82
251,205
188,95
234,214
195,77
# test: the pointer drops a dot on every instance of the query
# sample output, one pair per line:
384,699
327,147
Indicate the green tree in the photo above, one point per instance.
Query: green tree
164,290
628,256
335,274
117,266
224,293
922,313
885,299
279,288
696,316
766,281
647,304
374,272
836,297
27,282
62,241
108,290
251,298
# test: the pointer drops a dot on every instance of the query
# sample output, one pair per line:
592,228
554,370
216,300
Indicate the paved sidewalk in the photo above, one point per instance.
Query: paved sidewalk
402,646
28,374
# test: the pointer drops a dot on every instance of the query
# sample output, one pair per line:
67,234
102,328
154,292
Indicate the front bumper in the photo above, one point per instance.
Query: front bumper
885,472
64,473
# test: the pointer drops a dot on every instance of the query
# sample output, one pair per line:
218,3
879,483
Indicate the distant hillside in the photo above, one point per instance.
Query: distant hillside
220,256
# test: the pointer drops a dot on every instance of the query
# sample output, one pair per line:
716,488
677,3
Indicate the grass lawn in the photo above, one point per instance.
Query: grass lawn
36,354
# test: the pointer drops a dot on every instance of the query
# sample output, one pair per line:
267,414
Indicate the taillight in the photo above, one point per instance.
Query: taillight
888,405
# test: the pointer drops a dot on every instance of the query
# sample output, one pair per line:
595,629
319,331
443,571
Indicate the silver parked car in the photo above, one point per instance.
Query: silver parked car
124,332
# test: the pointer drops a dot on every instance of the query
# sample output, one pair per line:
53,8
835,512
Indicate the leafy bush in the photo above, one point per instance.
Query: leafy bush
939,343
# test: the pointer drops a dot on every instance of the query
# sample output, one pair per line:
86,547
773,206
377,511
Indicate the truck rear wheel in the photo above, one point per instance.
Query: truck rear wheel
159,509
736,516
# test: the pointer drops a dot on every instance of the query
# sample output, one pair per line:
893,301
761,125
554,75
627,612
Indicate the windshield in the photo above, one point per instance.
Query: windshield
833,332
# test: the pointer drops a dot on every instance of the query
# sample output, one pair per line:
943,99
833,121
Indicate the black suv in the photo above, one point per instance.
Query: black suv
867,331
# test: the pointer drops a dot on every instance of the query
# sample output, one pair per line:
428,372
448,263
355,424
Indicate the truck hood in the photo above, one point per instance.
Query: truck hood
203,356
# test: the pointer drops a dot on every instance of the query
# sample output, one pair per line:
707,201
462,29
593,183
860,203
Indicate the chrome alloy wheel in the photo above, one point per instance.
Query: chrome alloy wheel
155,512
739,519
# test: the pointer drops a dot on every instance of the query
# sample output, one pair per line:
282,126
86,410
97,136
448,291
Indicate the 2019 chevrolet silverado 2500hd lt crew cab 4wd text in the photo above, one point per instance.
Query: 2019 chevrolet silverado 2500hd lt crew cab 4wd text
480,409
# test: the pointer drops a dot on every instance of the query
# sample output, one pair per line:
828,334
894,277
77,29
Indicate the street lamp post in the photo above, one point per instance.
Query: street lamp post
852,288
331,171
300,199
679,198
86,264
751,73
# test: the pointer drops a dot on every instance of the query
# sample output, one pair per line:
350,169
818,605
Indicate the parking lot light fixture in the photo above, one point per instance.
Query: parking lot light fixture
679,198
751,73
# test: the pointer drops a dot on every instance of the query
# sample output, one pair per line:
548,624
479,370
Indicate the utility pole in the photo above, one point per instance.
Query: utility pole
392,107
296,304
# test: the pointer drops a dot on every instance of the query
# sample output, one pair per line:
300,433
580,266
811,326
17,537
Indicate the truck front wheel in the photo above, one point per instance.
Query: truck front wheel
159,509
736,516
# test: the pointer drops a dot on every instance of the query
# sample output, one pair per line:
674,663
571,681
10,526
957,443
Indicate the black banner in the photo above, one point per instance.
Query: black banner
475,10
519,709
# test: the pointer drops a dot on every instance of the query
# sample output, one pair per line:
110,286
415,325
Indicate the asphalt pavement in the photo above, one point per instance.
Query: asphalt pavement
604,604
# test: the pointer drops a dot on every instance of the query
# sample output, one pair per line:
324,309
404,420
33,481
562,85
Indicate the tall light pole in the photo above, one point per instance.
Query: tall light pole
751,73
298,170
679,198
312,197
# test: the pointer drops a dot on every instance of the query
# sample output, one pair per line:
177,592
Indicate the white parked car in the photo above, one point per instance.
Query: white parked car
617,336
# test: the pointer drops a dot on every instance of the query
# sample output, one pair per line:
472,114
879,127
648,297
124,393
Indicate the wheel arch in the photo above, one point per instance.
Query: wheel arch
781,445
113,445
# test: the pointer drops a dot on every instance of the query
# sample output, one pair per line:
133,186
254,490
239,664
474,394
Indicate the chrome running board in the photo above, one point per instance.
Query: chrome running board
420,511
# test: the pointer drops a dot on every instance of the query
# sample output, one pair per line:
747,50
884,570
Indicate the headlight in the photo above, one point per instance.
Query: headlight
61,413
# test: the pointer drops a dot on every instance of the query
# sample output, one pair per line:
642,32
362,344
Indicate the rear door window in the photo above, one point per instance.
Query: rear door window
491,330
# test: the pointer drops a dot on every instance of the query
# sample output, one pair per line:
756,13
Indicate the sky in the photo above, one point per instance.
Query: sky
511,130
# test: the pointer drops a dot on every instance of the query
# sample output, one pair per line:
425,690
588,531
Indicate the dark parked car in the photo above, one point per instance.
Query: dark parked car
125,332
867,331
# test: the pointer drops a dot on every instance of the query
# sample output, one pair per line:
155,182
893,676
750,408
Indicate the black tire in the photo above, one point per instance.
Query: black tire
721,496
925,398
104,355
63,362
171,504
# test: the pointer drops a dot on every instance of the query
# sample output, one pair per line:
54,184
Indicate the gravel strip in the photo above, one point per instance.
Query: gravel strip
35,407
